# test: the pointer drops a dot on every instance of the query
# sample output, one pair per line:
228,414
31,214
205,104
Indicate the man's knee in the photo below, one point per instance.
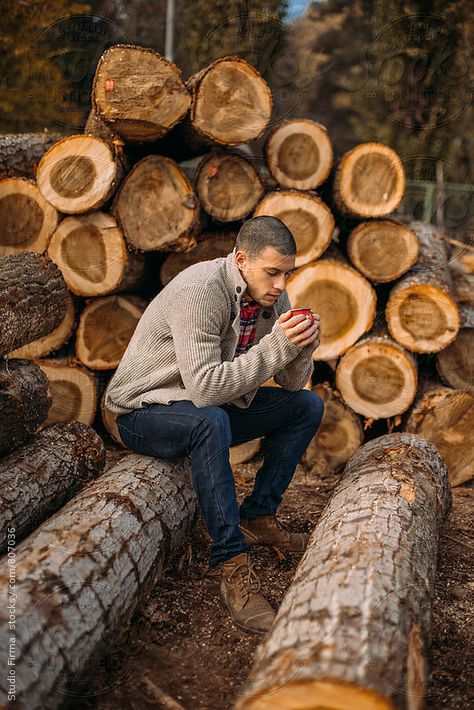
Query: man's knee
312,404
216,420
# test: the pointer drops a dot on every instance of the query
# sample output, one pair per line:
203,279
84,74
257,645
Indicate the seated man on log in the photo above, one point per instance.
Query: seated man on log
189,383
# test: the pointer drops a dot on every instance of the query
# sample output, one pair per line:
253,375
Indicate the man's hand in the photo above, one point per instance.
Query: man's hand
299,331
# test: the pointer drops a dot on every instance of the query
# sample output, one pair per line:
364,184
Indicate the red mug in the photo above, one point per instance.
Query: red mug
304,311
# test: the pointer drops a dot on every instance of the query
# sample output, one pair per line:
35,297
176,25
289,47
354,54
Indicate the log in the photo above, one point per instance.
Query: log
353,628
93,257
211,246
227,185
74,391
421,312
82,574
79,173
455,363
21,152
24,402
27,221
369,181
33,299
51,341
110,423
446,417
156,206
383,250
461,267
299,154
39,477
344,299
338,437
307,217
377,377
241,453
138,93
105,327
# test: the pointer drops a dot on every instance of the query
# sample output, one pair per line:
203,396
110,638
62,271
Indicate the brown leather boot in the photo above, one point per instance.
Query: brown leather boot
240,589
267,530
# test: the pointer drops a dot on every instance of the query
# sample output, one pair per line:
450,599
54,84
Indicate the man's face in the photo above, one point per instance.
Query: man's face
266,275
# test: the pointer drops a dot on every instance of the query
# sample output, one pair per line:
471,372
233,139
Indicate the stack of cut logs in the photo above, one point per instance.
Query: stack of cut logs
164,167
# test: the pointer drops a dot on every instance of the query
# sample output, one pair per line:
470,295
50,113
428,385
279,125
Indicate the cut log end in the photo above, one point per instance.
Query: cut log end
382,250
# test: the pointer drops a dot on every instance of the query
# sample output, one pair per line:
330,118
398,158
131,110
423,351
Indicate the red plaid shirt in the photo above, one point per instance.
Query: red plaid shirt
249,310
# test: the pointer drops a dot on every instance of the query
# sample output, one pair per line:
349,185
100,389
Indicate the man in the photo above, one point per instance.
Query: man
189,384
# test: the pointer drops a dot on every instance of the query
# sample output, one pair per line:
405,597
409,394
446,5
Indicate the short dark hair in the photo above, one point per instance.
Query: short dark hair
258,233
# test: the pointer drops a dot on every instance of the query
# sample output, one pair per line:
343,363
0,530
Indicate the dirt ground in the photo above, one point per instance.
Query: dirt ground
182,651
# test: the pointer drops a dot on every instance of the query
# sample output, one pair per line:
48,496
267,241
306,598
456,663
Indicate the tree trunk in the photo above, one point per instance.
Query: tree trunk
53,340
74,391
105,328
421,313
79,173
33,299
92,254
338,437
138,93
353,628
377,377
345,300
446,417
156,206
80,577
383,249
228,186
24,402
42,475
299,154
20,152
307,217
369,181
212,246
27,221
455,364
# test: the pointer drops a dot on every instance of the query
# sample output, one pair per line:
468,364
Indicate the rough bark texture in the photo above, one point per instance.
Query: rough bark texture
81,575
356,620
20,152
33,299
39,477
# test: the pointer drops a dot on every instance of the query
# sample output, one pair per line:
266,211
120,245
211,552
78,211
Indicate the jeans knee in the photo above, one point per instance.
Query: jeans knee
312,404
216,420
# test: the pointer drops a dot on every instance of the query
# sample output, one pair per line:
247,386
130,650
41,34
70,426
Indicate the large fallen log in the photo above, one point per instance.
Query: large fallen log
81,575
20,152
24,402
353,627
39,477
33,299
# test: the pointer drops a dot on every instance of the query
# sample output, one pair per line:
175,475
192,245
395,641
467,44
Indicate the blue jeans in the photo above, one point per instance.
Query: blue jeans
287,421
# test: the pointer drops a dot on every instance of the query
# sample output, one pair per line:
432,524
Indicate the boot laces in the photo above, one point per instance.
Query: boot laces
246,579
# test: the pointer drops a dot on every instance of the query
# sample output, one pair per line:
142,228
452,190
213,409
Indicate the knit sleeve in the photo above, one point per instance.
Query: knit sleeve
196,322
296,374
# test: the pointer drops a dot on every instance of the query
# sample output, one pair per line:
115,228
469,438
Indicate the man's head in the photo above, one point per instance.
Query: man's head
265,254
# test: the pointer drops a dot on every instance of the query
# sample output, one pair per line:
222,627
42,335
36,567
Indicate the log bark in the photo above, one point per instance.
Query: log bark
39,477
344,298
383,250
338,437
354,626
307,217
299,154
455,364
445,416
74,391
138,93
377,377
156,206
211,246
105,327
53,340
21,152
82,574
24,402
27,221
79,173
93,257
421,312
227,185
33,299
369,181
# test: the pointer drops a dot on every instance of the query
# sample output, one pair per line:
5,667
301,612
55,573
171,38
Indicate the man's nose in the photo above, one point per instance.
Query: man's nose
279,283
